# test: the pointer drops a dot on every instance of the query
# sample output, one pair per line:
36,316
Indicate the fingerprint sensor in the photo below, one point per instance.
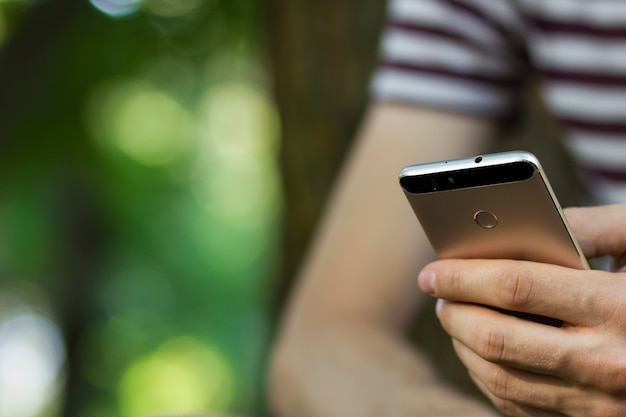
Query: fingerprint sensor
485,219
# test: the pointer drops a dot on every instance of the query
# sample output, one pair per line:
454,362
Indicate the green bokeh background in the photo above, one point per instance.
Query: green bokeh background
140,201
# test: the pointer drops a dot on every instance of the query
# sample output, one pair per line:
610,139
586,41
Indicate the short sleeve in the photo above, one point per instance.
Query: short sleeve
462,55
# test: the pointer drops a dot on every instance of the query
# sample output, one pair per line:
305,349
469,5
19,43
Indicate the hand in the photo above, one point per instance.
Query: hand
532,369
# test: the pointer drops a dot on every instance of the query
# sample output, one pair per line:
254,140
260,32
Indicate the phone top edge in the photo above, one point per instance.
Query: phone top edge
485,160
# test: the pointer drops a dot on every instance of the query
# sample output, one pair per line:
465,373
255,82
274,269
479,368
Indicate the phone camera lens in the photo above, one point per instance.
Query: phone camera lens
478,159
451,180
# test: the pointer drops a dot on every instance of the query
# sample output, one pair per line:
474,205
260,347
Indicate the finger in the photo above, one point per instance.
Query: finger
505,340
524,393
510,408
520,387
582,357
599,230
574,296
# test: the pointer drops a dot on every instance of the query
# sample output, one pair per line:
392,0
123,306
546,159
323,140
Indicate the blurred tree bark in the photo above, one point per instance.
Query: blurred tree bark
322,53
29,60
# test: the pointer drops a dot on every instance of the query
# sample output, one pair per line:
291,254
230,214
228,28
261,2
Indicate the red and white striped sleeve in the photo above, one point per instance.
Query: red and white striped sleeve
461,55
579,50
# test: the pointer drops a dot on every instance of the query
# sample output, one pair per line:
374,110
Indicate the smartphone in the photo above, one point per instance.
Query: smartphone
491,206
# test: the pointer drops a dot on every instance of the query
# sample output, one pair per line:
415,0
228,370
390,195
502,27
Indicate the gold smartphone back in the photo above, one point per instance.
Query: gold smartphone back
491,206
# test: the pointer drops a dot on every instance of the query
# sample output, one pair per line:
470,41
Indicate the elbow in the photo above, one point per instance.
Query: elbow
283,382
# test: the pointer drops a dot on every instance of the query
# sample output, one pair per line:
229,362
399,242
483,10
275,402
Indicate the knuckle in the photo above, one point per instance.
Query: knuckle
516,290
604,371
564,362
499,383
455,283
490,344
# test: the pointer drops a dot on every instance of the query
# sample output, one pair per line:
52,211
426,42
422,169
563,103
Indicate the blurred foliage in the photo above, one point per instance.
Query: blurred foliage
139,203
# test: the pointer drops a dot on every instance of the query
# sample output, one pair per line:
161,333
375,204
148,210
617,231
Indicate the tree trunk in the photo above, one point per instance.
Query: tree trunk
322,54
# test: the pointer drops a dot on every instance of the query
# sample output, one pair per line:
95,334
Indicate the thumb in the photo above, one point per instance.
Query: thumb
600,230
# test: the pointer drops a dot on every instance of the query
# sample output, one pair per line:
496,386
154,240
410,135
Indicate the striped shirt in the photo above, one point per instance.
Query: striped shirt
475,56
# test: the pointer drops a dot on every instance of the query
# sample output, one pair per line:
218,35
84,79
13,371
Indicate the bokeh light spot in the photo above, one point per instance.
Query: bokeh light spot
31,358
235,178
117,8
146,124
183,375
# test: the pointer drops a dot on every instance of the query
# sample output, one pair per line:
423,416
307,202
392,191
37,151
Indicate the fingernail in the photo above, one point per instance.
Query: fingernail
439,306
426,281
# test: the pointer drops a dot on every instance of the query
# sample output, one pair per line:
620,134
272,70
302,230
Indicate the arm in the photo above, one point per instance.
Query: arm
530,369
341,350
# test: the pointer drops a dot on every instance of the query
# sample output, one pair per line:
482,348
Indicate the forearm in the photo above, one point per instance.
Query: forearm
359,369
340,350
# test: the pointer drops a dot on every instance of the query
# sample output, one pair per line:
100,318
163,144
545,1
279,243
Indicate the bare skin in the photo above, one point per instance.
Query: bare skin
530,369
341,349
